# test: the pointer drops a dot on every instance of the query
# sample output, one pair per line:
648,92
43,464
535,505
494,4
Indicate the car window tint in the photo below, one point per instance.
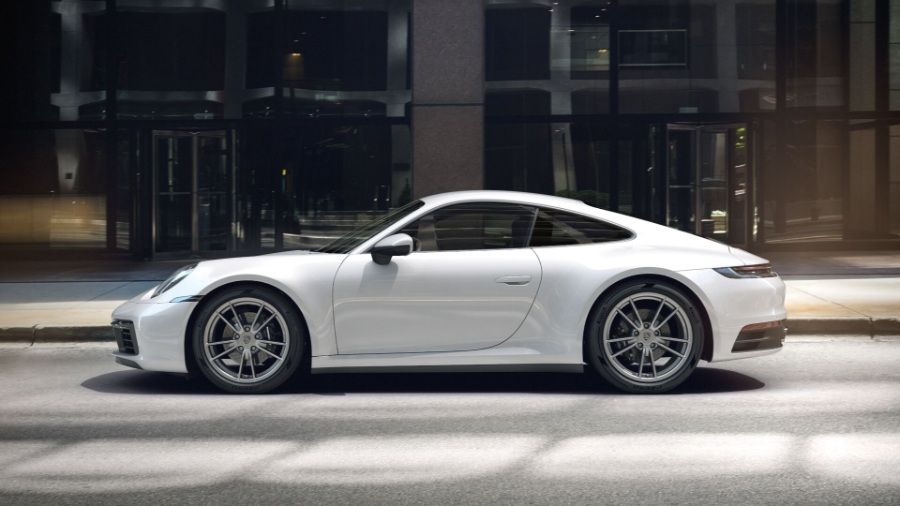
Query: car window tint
559,228
473,226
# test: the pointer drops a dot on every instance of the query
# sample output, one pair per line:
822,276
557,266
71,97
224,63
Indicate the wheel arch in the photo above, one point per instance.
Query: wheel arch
651,279
191,360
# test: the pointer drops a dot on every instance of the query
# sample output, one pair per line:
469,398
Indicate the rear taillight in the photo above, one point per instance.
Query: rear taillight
747,271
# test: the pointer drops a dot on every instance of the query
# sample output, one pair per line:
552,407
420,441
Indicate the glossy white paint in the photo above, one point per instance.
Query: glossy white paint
492,309
433,301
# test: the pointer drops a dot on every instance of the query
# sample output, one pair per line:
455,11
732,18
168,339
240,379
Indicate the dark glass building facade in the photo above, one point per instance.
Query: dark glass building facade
222,127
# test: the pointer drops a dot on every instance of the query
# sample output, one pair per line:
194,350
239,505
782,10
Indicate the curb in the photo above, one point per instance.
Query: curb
844,325
57,334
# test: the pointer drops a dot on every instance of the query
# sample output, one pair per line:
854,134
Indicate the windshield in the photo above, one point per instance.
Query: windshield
347,242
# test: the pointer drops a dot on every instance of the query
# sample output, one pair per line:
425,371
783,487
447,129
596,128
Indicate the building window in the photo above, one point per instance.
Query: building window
55,188
653,48
517,44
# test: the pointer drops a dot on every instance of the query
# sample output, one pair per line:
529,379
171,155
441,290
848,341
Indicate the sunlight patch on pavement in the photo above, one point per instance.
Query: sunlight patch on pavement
402,459
638,456
16,451
134,465
871,458
52,408
800,399
128,465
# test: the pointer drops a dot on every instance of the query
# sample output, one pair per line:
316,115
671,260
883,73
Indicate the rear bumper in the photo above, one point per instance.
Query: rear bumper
747,315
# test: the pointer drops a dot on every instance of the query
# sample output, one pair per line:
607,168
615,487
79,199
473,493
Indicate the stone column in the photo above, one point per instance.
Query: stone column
447,46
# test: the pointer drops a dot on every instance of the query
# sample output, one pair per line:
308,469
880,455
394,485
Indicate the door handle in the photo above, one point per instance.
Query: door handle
513,280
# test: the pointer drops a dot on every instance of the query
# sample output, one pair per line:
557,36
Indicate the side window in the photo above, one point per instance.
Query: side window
473,226
558,228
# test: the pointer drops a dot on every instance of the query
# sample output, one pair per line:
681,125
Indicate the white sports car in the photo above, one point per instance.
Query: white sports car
465,281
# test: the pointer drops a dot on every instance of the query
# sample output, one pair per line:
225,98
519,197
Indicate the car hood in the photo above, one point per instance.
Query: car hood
282,270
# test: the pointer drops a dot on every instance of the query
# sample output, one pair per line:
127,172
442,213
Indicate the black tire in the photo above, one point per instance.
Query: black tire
645,336
249,340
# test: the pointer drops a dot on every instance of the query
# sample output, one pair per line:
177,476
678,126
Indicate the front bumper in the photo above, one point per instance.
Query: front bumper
151,336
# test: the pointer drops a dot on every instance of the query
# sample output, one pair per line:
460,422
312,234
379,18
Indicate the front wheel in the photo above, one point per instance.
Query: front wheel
645,337
248,340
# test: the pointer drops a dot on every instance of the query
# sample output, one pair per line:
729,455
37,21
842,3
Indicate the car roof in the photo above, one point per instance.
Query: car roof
504,196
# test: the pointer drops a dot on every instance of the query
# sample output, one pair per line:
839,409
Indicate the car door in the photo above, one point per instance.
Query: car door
469,286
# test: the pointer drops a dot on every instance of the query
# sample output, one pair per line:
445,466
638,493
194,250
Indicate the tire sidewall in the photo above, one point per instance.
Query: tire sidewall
295,327
601,312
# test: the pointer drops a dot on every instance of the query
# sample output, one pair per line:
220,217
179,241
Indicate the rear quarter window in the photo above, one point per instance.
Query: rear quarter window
559,228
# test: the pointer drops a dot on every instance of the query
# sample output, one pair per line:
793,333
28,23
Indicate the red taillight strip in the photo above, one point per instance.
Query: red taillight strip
764,325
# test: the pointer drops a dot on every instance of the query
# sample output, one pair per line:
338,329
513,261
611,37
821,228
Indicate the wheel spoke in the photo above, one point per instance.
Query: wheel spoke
640,322
218,343
662,304
623,350
241,367
653,364
673,313
269,353
252,368
641,366
226,352
670,350
619,339
231,325
237,317
637,326
274,343
265,323
256,317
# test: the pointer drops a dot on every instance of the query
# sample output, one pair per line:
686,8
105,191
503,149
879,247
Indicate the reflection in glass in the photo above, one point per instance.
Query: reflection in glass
815,41
191,199
804,195
54,191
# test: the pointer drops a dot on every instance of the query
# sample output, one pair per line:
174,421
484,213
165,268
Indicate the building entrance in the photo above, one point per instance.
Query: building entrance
192,209
707,180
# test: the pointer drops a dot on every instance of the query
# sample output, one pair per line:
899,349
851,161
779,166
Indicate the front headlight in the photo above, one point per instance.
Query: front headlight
747,271
174,279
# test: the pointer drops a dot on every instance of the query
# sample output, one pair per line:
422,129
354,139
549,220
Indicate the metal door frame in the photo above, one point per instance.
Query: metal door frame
195,135
699,129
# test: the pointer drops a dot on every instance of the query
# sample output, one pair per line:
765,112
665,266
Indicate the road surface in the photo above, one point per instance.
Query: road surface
818,423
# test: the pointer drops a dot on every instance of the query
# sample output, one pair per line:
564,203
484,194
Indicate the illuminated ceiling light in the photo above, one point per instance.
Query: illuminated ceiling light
296,54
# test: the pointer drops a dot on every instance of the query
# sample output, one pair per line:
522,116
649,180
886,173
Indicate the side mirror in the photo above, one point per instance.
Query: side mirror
397,245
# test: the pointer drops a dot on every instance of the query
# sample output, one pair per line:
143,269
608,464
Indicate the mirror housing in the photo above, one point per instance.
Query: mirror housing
397,245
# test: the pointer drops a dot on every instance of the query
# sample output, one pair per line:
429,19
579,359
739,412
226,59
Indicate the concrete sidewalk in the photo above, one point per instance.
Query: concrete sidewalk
58,301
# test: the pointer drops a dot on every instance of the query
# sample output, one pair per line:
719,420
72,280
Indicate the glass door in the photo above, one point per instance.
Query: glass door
707,180
191,198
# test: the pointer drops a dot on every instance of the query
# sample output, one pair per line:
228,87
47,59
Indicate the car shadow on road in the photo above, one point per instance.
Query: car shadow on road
705,380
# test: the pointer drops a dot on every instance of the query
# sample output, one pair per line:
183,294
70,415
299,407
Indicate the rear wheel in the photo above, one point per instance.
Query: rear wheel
249,340
645,337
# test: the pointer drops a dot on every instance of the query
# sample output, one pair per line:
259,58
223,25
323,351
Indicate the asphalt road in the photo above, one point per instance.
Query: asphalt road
816,424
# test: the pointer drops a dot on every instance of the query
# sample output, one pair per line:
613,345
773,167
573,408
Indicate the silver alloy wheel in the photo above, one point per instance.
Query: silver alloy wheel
647,337
246,340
